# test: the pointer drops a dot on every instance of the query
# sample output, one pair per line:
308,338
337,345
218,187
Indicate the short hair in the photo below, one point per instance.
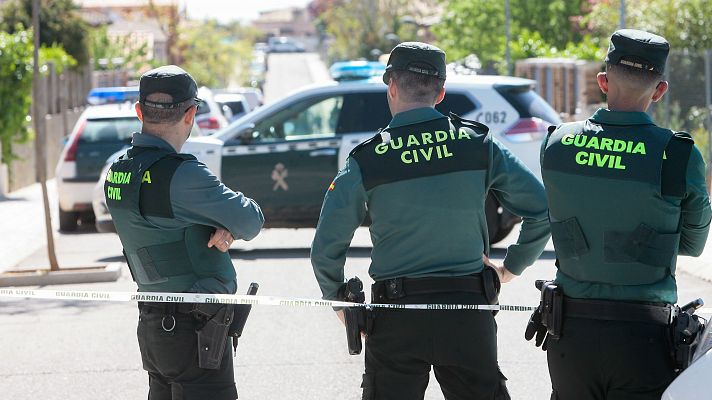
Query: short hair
418,87
635,77
155,115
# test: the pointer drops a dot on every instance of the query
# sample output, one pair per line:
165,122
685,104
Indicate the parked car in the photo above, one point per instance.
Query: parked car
211,115
285,154
237,104
283,44
99,132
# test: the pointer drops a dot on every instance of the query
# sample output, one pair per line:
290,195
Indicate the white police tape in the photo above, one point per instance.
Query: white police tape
205,298
157,297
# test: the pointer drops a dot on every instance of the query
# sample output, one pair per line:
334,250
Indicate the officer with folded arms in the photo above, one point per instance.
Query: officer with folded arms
423,181
176,222
626,197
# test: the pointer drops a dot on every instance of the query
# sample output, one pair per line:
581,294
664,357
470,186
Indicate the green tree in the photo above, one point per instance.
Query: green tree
537,28
107,48
684,23
210,53
59,24
360,26
15,89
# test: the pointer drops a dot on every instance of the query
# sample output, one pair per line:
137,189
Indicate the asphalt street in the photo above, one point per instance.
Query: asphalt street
59,350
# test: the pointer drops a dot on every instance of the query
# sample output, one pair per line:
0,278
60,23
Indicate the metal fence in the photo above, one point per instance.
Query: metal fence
687,105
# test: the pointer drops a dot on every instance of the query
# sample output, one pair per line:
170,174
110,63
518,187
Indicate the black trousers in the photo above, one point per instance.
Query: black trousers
171,360
612,360
460,345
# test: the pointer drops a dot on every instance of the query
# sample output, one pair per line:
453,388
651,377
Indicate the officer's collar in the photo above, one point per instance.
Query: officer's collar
608,117
148,140
414,116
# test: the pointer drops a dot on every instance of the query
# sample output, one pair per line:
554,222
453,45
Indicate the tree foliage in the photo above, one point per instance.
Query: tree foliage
684,23
15,88
210,54
478,27
59,25
115,52
361,26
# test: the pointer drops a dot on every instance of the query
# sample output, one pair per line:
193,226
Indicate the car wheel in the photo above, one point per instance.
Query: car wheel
495,228
68,221
88,218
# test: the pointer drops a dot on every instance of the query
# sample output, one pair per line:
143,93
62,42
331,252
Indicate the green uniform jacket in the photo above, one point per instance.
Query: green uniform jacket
430,220
629,197
181,197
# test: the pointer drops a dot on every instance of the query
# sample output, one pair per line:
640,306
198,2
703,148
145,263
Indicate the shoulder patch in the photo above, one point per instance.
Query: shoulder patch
365,143
476,126
683,136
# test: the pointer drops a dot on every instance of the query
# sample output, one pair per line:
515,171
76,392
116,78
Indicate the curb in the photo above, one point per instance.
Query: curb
92,274
699,267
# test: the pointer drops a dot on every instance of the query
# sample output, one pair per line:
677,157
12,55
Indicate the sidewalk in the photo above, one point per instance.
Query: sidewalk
22,231
700,267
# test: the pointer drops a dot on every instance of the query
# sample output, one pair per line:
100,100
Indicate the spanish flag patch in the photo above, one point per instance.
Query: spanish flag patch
331,187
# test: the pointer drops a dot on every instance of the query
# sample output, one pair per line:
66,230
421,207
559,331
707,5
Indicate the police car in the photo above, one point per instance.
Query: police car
285,154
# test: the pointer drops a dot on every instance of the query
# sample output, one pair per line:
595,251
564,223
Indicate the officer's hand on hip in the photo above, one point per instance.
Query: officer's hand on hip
502,272
221,239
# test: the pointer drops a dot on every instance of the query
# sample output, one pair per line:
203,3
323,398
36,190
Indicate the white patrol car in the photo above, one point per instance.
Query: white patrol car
285,154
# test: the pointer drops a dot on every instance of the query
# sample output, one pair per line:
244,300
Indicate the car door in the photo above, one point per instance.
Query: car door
287,160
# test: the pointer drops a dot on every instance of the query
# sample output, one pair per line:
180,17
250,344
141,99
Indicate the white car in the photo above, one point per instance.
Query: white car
285,154
211,115
99,132
237,104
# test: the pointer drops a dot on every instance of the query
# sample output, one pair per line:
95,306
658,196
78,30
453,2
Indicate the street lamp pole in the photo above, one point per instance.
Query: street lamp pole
622,14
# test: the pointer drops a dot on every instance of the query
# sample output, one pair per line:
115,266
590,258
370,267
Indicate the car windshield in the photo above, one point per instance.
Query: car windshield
109,130
235,106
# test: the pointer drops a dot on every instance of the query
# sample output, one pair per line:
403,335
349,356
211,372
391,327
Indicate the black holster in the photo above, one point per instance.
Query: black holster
242,311
685,333
212,336
491,286
552,308
356,319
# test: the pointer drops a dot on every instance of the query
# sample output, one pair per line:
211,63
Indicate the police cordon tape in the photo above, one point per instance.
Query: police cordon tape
205,298
158,297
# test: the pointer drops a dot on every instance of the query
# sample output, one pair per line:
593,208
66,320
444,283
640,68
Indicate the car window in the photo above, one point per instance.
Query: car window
109,130
457,103
235,106
528,104
203,108
364,112
314,118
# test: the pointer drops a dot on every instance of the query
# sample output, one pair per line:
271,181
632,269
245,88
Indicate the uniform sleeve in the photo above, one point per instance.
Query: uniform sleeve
343,211
198,197
695,208
520,192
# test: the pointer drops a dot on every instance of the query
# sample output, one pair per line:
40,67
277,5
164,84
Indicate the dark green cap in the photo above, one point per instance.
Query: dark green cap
421,58
638,49
171,80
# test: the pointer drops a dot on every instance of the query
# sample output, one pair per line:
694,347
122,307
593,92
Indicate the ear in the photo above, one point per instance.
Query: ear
660,90
441,96
189,116
602,80
139,114
392,89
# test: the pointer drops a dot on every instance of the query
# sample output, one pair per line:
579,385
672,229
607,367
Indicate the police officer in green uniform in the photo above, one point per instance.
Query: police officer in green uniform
176,221
626,197
423,181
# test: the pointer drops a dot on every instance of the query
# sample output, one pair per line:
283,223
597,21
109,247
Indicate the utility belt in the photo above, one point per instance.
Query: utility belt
216,322
546,322
359,320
